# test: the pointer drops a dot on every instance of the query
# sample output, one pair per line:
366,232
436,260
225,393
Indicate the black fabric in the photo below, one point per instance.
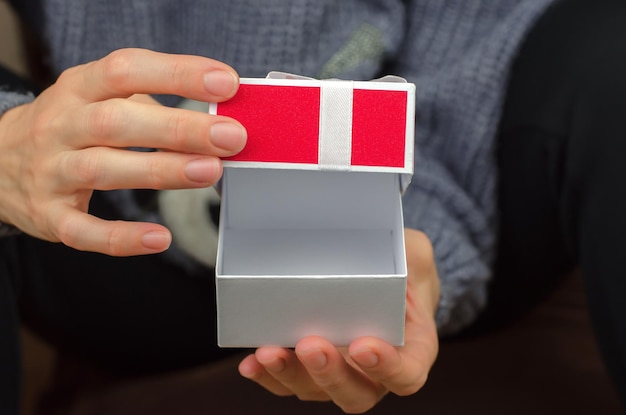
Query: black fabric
562,161
10,357
9,81
133,316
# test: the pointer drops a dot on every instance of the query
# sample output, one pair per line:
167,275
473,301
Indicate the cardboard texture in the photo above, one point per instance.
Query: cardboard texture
311,238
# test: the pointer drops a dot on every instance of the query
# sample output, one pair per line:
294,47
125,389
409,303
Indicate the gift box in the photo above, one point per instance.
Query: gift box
311,237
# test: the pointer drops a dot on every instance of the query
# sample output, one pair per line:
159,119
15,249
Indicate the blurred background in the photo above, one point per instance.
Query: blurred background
11,55
38,357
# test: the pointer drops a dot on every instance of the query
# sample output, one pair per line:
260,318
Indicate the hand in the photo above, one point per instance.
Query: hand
73,139
358,377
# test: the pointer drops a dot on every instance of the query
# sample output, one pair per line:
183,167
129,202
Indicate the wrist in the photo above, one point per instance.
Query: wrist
9,110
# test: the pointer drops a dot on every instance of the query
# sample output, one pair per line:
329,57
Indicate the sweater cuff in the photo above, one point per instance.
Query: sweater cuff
10,99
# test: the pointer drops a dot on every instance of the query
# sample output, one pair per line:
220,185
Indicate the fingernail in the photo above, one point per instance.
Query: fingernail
221,83
315,359
201,170
228,136
365,357
156,240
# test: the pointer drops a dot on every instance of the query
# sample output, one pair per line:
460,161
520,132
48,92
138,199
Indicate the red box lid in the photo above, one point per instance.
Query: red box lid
324,125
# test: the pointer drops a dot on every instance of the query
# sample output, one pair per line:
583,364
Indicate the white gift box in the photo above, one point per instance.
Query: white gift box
311,238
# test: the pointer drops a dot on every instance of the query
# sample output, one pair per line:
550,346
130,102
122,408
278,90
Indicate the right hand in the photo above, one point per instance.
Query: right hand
358,377
72,139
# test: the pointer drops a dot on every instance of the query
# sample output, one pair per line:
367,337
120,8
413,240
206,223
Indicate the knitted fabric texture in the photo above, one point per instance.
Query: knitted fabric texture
457,52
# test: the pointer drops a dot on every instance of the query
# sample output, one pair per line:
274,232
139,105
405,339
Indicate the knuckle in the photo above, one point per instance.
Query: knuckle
84,167
45,123
179,123
67,231
114,241
177,72
41,126
331,384
413,386
117,67
403,381
68,75
153,172
391,374
103,119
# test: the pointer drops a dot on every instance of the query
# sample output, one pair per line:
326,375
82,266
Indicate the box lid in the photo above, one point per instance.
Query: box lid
308,124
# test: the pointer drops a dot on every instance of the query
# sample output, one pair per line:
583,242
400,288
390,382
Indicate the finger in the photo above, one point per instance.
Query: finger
423,278
85,232
251,369
347,387
103,168
402,371
123,123
126,72
283,365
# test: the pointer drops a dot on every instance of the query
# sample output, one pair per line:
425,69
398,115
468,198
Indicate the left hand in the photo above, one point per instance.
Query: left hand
358,377
73,139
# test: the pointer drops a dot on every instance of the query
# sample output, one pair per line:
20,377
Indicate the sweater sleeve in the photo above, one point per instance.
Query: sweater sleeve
459,58
12,94
14,90
462,237
10,99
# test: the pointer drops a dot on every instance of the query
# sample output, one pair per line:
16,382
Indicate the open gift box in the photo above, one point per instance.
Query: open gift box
311,237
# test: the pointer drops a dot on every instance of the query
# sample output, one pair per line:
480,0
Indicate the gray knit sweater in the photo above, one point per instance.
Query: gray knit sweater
457,52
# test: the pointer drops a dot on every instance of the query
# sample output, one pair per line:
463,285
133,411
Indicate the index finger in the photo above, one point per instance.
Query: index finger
126,72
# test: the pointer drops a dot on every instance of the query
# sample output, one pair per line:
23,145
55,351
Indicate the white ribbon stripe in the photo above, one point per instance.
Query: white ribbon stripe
335,136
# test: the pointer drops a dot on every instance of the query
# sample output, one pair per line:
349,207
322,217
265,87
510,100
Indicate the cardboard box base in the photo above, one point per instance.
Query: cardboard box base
256,311
309,253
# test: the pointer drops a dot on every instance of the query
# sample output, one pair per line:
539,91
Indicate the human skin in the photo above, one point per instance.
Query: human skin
73,139
358,377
